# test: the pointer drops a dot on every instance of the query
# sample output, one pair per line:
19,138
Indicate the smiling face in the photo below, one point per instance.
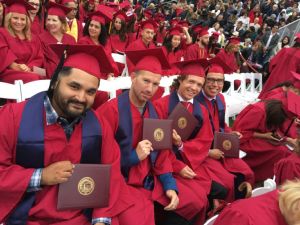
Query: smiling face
214,83
190,87
175,41
18,22
74,94
53,24
94,29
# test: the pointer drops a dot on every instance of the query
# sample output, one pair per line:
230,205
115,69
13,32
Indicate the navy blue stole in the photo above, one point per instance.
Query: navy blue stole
125,131
221,111
30,148
197,112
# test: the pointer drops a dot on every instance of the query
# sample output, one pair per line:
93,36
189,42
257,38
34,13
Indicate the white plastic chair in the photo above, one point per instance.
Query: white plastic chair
251,92
166,82
107,86
235,102
31,88
11,91
122,60
269,185
212,220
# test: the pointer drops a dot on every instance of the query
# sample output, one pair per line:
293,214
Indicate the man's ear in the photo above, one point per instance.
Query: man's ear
133,75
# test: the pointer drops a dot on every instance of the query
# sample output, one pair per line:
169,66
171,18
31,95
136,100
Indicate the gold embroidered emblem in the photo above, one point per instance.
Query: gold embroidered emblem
86,186
226,145
182,122
158,134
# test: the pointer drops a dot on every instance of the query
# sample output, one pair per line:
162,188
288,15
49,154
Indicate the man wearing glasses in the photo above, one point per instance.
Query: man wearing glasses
213,100
74,27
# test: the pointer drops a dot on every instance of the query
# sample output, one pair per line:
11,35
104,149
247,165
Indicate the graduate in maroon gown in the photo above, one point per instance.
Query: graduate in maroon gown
74,27
289,168
228,54
56,25
118,38
148,29
148,172
172,46
279,207
38,151
198,50
258,123
145,41
287,59
94,33
280,92
192,157
20,50
213,100
36,16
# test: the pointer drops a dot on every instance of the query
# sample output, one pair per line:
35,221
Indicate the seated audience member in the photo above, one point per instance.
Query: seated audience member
39,150
20,49
279,207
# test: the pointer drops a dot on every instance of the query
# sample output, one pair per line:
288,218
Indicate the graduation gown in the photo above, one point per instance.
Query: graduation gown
51,60
286,60
188,207
261,154
287,169
229,59
281,95
15,178
117,46
195,152
195,52
37,26
172,58
233,165
260,210
137,173
19,51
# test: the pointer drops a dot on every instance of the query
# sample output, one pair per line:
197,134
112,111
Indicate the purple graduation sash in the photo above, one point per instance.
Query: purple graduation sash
30,148
125,131
221,111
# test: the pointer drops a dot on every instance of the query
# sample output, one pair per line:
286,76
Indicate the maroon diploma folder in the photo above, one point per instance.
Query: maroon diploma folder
183,121
158,132
227,143
88,187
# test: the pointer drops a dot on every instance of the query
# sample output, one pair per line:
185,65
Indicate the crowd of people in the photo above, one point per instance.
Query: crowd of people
71,43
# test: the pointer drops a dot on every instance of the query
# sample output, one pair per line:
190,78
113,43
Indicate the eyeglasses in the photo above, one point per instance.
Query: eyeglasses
211,80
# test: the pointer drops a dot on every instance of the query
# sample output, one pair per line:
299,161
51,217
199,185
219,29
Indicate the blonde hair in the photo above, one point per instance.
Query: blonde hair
289,200
26,30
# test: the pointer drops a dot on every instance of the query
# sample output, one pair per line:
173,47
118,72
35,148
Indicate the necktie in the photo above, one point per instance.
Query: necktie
213,101
186,104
